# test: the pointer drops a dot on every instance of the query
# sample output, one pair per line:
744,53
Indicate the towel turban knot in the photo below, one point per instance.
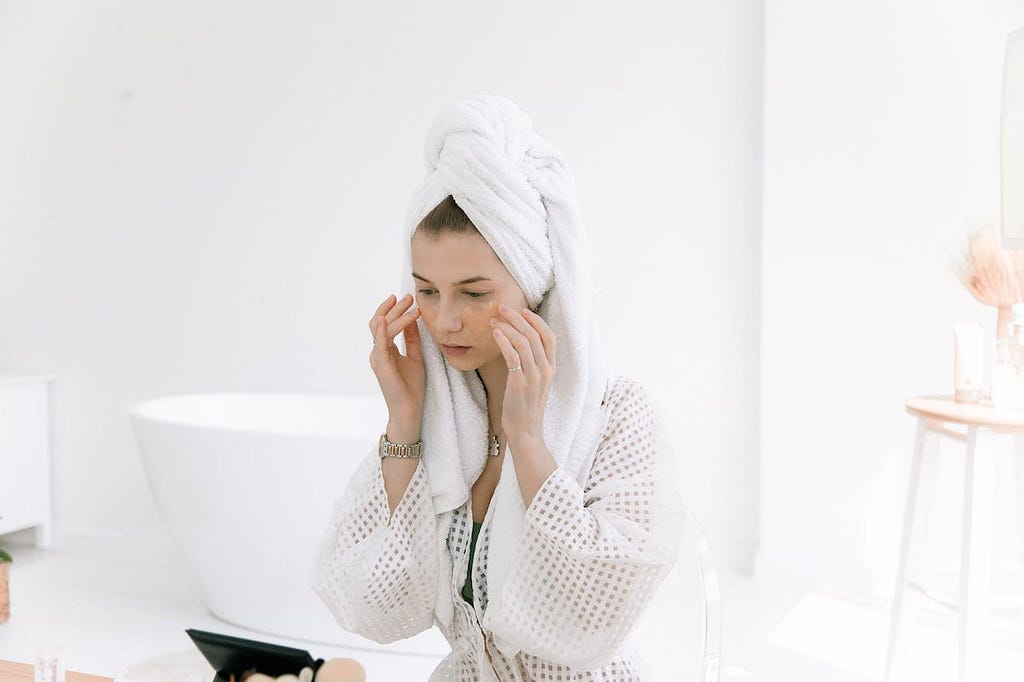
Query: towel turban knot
484,152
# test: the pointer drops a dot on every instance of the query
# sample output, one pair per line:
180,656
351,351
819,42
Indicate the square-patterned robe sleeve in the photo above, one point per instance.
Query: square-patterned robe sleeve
591,559
377,571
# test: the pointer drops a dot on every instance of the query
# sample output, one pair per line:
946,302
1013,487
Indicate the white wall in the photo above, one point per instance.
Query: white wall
208,197
881,155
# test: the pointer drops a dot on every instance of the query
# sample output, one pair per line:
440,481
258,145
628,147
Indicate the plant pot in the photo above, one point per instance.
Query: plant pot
5,593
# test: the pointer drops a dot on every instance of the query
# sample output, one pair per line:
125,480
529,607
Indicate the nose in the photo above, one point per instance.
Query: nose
449,317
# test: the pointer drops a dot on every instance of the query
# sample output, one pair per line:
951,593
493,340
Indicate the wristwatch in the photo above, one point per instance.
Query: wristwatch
406,451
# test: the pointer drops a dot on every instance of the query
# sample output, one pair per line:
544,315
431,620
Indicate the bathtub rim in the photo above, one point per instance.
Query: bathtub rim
137,411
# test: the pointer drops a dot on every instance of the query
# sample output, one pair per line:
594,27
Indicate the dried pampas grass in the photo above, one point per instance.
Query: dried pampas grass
993,275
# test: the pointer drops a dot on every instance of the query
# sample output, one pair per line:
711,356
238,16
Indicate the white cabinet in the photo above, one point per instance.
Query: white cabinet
26,491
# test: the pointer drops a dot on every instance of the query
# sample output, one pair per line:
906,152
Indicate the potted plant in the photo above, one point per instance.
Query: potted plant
5,595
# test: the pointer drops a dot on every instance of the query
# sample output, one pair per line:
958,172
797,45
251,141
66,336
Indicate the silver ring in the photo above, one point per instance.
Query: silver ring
515,369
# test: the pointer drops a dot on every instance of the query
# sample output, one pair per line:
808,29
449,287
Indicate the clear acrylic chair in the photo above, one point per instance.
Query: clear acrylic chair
679,635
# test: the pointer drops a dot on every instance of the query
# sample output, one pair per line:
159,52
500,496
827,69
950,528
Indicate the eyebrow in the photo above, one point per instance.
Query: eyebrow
478,278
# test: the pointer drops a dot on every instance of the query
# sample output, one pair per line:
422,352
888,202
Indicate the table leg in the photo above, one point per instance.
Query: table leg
976,553
1018,496
906,602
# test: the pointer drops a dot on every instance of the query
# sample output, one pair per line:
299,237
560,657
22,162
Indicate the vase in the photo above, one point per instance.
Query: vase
1004,316
5,593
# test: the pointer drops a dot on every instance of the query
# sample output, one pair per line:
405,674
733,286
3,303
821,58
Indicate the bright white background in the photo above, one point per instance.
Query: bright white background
208,197
881,154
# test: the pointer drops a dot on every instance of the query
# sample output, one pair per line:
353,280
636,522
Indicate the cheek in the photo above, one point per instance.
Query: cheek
478,315
426,313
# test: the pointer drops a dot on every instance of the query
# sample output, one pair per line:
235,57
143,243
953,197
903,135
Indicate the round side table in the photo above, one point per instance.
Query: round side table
974,425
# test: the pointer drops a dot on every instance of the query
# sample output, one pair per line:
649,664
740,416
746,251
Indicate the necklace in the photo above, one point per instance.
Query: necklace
493,447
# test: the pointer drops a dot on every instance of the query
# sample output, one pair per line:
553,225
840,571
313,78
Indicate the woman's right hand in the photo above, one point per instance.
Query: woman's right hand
402,378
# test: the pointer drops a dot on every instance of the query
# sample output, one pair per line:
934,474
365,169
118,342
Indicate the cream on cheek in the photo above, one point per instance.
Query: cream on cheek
475,316
514,302
478,317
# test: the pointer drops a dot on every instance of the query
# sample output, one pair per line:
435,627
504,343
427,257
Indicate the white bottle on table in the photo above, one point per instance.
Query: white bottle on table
968,361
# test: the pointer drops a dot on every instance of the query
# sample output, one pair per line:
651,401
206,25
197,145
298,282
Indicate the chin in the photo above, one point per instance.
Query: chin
462,364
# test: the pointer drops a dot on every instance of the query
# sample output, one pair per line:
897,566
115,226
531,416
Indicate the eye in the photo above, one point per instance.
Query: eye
476,294
426,292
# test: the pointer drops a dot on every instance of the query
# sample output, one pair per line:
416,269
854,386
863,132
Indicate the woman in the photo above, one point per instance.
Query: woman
521,498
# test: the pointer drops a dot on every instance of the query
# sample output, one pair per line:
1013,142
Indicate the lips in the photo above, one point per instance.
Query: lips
455,347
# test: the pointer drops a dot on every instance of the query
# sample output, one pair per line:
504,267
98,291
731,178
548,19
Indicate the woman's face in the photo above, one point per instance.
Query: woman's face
455,311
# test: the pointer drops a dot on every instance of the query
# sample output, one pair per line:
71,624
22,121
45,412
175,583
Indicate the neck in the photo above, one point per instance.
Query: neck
494,376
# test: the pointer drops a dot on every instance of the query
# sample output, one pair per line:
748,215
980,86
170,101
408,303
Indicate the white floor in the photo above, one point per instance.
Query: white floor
109,602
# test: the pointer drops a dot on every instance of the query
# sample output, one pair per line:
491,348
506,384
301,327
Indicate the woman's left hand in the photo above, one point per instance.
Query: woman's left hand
525,339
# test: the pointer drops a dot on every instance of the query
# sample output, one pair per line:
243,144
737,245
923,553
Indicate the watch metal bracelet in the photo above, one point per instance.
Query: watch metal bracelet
386,448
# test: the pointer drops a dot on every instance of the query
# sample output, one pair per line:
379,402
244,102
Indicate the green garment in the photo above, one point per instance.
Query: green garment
467,589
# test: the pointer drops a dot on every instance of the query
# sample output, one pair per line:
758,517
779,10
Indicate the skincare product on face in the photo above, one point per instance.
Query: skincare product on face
968,360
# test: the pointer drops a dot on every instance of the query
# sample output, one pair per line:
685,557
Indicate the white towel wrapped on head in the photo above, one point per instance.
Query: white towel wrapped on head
519,193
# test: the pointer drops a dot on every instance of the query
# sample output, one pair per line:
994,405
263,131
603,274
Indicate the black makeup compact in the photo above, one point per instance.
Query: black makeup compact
233,656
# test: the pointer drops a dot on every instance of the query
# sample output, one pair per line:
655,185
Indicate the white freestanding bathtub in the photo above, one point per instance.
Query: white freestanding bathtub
246,483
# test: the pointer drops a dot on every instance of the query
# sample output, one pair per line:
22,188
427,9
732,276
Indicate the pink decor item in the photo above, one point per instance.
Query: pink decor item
993,275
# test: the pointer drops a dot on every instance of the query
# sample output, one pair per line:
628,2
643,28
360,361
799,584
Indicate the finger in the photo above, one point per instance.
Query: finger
402,323
400,307
412,341
379,350
380,337
533,333
547,334
381,310
527,330
520,343
512,358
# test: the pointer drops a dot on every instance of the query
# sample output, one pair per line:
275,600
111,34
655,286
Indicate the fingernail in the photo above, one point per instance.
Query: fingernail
504,308
494,321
